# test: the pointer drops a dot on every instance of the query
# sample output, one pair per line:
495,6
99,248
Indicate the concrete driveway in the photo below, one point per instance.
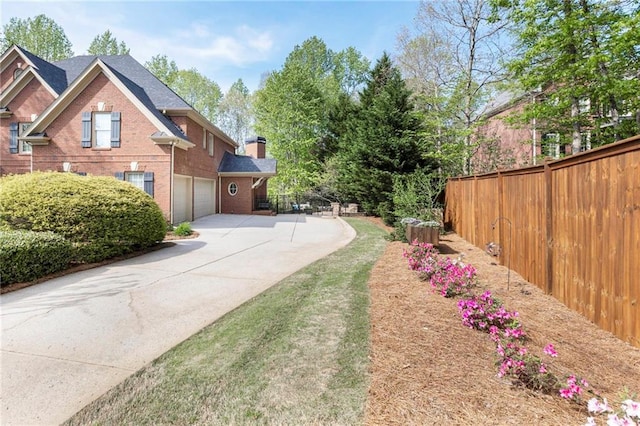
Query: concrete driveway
68,340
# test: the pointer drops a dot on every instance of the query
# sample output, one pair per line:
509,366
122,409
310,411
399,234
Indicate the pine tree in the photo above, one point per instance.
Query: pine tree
381,141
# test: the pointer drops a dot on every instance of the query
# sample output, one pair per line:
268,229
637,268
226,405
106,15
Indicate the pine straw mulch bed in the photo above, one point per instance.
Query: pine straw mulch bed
427,368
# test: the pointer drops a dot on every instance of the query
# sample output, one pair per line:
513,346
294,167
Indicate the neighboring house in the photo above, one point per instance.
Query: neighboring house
500,144
503,145
108,115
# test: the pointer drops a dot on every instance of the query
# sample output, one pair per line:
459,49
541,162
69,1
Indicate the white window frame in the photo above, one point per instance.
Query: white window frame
210,144
232,189
552,141
101,135
24,147
135,178
584,106
585,141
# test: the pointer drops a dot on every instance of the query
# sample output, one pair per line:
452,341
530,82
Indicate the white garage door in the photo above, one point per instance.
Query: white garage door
181,199
204,197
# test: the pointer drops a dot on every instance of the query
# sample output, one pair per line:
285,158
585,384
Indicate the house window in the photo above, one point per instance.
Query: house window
16,146
142,180
17,72
135,178
551,145
584,106
100,129
585,141
204,138
23,147
210,143
233,188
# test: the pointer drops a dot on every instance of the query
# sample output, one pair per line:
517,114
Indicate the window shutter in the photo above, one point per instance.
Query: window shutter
119,175
13,138
148,183
86,129
115,130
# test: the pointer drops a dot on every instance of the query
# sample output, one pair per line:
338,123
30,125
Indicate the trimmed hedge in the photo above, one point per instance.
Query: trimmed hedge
27,255
102,217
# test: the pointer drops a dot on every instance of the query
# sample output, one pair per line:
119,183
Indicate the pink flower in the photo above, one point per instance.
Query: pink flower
566,393
543,369
550,350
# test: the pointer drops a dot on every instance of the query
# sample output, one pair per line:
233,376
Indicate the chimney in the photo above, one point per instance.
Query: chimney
255,147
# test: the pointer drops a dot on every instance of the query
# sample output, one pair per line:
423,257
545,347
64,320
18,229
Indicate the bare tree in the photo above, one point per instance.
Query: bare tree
455,56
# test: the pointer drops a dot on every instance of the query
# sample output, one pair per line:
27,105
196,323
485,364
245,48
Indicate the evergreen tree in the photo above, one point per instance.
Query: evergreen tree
381,140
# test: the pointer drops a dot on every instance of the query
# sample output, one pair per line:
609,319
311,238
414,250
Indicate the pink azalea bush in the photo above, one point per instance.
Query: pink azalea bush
422,257
452,278
486,313
447,277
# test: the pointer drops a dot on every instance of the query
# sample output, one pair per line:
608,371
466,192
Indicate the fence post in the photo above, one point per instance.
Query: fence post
501,214
548,188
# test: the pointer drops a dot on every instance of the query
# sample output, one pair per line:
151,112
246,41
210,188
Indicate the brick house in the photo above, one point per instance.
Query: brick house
503,145
108,115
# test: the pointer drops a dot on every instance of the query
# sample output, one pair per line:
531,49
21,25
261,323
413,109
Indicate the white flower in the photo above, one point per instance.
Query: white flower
595,406
631,408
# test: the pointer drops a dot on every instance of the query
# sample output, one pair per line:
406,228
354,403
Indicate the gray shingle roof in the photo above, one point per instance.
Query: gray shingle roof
244,164
53,75
153,93
137,78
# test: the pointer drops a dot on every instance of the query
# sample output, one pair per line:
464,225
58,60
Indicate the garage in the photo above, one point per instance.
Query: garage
204,197
181,199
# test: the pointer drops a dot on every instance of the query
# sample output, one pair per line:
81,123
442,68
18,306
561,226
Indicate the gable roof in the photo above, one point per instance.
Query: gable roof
54,76
20,83
170,131
236,165
151,95
139,80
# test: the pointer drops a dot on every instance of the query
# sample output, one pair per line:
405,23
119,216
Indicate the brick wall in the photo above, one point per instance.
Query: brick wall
242,202
66,133
505,145
33,99
6,76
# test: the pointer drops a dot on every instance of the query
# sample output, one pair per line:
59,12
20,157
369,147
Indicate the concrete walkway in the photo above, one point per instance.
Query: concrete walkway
68,340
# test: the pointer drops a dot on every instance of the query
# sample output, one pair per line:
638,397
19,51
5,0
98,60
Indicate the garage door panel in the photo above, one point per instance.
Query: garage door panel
181,199
204,197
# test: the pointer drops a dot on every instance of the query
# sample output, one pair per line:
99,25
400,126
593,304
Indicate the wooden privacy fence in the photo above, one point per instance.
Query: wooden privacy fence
574,225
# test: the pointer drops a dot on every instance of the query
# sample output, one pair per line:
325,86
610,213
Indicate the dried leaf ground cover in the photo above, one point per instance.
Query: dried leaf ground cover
426,368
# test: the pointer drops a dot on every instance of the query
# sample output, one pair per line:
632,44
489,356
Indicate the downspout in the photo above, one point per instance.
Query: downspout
219,194
171,183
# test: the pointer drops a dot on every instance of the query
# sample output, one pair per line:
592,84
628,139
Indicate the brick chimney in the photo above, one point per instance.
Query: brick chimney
255,147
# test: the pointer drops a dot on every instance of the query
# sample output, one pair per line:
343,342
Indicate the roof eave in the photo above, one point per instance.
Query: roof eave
247,174
165,139
36,140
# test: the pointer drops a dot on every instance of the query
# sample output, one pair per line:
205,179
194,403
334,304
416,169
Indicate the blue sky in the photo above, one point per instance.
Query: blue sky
225,40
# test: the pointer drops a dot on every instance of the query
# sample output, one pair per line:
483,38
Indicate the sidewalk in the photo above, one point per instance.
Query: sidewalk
68,340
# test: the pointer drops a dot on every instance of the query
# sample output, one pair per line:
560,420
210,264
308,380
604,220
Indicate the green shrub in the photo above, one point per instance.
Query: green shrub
26,255
183,229
101,216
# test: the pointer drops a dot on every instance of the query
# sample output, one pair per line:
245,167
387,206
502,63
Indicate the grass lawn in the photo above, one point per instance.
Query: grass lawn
296,354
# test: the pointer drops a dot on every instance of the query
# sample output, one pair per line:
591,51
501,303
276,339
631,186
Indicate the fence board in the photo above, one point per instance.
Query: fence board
575,229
